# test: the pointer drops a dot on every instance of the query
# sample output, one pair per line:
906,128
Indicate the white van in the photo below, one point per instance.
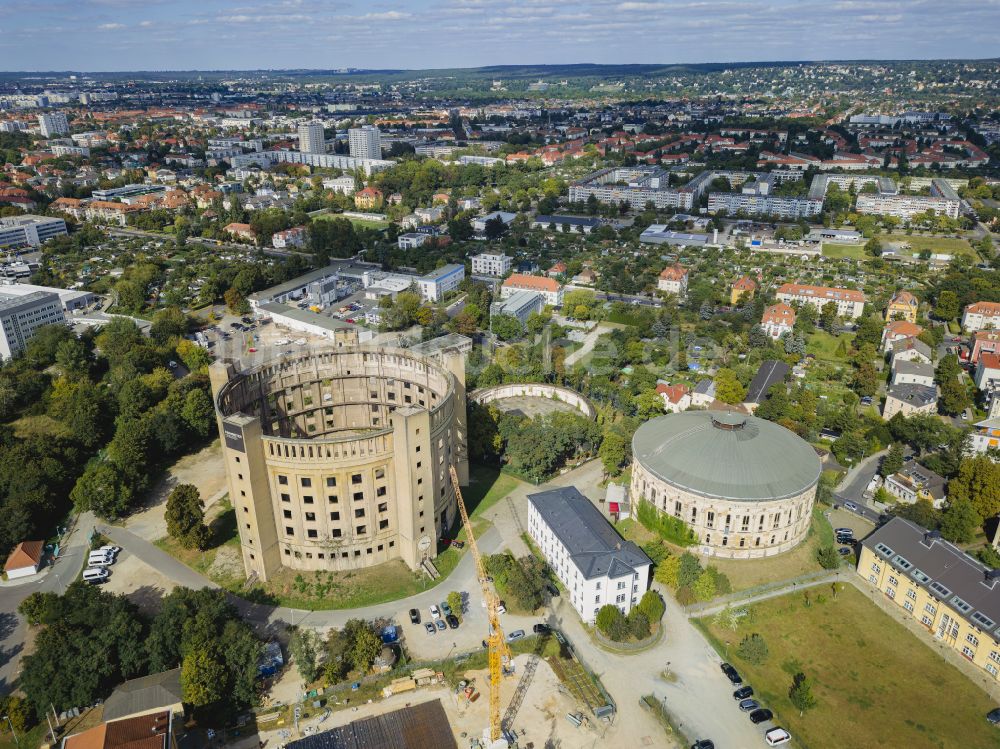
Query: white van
95,575
100,559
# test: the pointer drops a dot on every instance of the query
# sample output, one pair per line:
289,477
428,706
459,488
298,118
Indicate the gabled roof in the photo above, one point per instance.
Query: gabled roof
531,283
150,731
830,293
902,328
145,694
25,554
594,546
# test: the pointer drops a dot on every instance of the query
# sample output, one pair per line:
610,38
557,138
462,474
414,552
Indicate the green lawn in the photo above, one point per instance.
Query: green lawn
875,685
825,346
840,251
918,244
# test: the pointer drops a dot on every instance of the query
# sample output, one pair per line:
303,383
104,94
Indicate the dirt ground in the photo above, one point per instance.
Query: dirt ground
143,585
532,406
204,469
541,718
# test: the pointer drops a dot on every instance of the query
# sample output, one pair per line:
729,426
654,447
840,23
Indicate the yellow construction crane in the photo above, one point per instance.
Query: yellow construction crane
499,653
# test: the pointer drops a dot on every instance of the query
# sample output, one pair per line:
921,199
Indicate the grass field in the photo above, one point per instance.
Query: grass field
840,251
875,685
359,223
918,244
824,346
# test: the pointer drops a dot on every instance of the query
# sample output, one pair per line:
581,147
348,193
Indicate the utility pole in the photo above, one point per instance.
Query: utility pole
13,732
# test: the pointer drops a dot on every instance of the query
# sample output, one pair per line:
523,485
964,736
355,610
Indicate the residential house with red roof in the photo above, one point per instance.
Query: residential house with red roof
777,320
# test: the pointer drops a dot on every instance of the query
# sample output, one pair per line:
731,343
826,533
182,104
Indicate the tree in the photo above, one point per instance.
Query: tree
652,606
495,228
454,601
978,483
960,521
506,327
800,693
954,397
304,646
198,412
689,571
727,387
668,571
185,517
874,247
893,460
753,649
612,622
195,358
367,646
865,380
828,317
613,452
648,404
704,586
104,490
828,557
948,306
203,678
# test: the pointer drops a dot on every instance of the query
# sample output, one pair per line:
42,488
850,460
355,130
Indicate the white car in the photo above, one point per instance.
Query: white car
777,737
110,549
435,612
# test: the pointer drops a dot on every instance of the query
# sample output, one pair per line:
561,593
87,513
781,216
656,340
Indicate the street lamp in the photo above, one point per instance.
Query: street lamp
7,718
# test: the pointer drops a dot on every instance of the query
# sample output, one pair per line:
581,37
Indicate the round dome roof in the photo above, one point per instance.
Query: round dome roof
727,455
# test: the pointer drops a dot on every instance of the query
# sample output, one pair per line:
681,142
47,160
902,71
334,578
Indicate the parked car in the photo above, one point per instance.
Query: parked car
110,549
748,706
761,715
435,612
993,716
414,616
441,625
743,692
95,575
452,621
845,551
431,629
777,737
552,589
851,506
732,674
517,634
843,531
445,609
541,629
703,744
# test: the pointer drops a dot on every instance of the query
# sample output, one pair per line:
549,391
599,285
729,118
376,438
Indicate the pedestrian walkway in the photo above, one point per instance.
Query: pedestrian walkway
764,592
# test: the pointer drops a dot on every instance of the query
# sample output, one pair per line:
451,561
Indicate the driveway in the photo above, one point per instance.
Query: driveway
13,629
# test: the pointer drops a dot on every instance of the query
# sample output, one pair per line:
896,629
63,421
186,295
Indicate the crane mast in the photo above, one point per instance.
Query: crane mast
499,653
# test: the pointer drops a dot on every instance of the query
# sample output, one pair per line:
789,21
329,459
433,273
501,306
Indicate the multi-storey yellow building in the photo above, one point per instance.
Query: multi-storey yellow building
902,306
956,598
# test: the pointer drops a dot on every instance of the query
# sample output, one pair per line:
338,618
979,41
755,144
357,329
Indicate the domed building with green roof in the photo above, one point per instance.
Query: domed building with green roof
744,485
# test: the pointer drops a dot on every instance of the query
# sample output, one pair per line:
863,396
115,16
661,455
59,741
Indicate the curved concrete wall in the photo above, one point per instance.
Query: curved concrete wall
339,459
534,390
730,529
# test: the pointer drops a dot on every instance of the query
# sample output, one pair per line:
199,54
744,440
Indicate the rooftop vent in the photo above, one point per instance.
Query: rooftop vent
729,421
992,576
930,537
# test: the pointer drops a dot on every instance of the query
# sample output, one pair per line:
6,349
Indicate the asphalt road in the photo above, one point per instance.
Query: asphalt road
13,629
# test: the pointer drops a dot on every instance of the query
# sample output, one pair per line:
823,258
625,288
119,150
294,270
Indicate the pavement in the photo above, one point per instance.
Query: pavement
14,634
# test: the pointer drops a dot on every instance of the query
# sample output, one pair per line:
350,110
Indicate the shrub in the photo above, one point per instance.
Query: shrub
668,571
666,526
828,557
638,624
612,622
685,595
704,586
652,606
722,584
753,649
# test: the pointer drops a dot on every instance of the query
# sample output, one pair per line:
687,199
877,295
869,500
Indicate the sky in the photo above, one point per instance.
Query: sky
112,35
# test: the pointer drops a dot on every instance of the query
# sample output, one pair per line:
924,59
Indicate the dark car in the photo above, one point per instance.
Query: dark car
703,744
732,674
452,621
845,551
553,590
743,692
414,616
759,716
541,629
993,716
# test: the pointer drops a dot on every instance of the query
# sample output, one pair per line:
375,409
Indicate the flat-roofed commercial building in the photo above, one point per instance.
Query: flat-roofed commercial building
519,305
21,316
29,230
955,597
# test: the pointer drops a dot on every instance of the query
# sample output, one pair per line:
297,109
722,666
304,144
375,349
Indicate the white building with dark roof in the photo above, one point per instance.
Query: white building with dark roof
596,565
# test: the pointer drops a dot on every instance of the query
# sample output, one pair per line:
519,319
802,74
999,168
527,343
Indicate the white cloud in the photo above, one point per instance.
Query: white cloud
111,26
636,6
389,15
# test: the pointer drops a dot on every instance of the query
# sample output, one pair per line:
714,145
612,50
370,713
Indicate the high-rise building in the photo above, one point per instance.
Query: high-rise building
21,316
54,123
311,138
365,142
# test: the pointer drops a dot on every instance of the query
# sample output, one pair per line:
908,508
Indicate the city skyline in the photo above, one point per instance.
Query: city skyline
113,35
